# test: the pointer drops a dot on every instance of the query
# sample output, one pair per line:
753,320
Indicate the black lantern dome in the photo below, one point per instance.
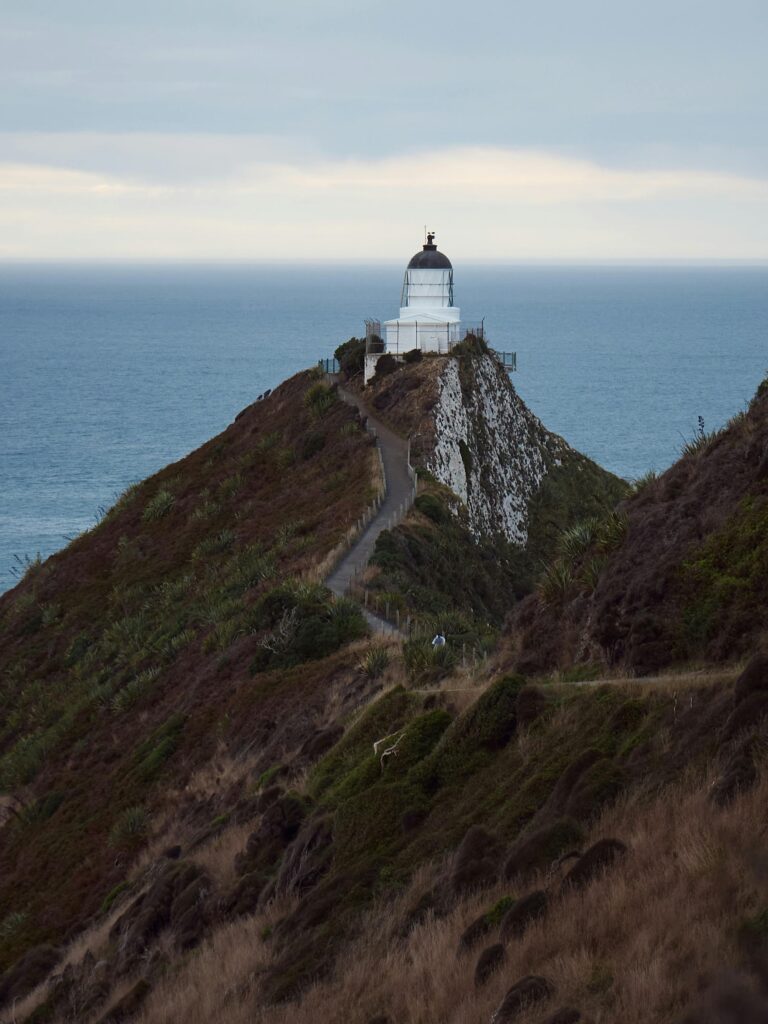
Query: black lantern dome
429,258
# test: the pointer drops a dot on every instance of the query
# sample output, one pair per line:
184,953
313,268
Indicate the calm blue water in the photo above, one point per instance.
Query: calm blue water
108,373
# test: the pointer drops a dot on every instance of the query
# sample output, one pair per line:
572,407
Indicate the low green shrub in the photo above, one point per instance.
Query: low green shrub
12,924
130,828
151,756
301,622
134,691
426,664
385,365
375,661
215,544
312,443
158,506
430,506
555,582
413,356
319,398
42,809
498,910
112,895
351,357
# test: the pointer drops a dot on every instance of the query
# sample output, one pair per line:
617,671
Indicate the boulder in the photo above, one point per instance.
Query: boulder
176,899
594,862
746,715
522,996
27,973
523,913
308,857
754,677
321,742
128,1006
489,961
540,848
189,917
477,860
279,826
597,785
245,896
530,703
565,1015
267,797
737,776
473,933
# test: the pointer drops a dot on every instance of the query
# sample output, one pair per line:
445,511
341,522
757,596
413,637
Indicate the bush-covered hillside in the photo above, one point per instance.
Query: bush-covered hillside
162,634
224,800
678,574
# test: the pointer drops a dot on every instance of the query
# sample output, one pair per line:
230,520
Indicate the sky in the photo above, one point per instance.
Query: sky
322,129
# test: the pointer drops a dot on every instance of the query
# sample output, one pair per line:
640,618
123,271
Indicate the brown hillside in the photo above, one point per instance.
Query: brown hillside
679,575
128,659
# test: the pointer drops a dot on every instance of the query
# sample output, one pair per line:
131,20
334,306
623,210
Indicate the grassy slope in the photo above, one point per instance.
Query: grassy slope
365,903
683,580
640,944
128,658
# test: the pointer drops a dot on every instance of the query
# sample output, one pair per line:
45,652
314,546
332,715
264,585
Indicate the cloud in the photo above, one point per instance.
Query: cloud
259,197
520,175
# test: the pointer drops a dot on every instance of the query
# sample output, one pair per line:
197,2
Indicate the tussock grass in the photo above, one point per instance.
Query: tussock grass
633,946
158,506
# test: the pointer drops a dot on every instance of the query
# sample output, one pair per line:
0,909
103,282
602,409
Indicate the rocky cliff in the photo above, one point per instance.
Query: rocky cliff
472,431
489,448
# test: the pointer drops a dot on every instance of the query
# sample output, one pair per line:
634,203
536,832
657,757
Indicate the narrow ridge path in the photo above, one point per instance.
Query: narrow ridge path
398,495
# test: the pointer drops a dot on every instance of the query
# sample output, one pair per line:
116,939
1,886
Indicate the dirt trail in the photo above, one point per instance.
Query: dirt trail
398,498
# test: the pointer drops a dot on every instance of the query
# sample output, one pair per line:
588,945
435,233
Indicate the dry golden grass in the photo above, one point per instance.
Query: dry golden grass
632,947
684,680
218,855
93,939
221,981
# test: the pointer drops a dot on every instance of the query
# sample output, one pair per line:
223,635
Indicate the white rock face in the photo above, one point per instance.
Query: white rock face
489,447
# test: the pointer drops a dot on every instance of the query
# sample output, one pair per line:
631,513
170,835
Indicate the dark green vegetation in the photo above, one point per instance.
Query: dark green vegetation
677,574
351,357
725,580
533,767
431,567
128,657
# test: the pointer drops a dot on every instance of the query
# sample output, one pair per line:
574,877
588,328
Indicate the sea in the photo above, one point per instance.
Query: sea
109,372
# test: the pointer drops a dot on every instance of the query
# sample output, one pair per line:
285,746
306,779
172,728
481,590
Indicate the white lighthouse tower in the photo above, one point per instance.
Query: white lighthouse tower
428,319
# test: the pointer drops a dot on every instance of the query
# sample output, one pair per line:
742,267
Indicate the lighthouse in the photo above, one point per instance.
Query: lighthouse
428,319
